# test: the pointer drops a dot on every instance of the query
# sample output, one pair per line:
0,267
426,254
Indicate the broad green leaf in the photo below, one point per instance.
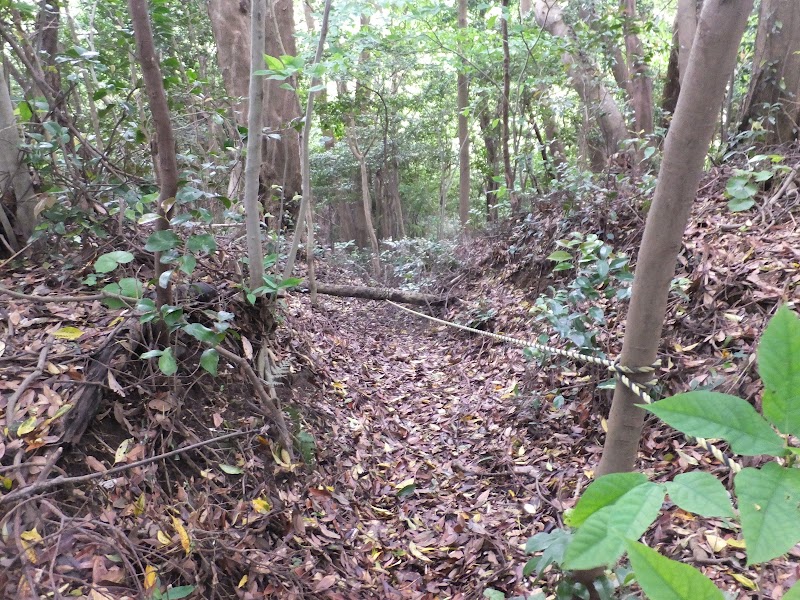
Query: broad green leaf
159,241
601,539
209,360
187,264
700,493
768,502
202,333
552,545
201,243
740,204
167,363
714,415
601,493
231,469
560,256
779,367
493,594
111,260
128,287
665,579
151,354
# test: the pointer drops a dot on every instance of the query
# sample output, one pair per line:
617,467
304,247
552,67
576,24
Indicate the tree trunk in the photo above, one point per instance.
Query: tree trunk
463,129
255,97
491,187
166,164
672,83
641,84
15,179
47,25
686,27
504,102
583,74
719,32
230,23
775,85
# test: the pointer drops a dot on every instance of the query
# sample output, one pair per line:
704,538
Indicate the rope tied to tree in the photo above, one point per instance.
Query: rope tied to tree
621,372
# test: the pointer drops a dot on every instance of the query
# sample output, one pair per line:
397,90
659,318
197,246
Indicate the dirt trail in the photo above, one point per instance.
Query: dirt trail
430,467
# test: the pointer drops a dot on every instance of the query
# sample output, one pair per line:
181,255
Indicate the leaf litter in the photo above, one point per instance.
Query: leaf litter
430,455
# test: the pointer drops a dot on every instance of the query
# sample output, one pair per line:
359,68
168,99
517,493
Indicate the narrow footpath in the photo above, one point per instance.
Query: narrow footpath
435,472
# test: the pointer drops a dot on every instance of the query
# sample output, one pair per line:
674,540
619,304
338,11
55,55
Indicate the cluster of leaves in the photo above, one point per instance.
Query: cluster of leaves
743,187
413,259
617,509
600,272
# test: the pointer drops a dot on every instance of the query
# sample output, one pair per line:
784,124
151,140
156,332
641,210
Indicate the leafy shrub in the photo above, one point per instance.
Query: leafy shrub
617,509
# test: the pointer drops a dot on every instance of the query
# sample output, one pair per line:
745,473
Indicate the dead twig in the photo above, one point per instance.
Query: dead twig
273,412
11,408
42,486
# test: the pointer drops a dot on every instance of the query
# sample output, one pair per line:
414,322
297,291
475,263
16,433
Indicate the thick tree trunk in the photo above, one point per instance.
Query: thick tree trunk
165,161
491,187
596,97
776,72
463,130
230,23
719,32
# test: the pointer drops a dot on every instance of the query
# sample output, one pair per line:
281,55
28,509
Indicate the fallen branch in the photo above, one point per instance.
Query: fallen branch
43,486
11,407
371,293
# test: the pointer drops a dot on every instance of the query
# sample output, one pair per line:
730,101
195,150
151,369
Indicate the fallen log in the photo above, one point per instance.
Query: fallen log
373,293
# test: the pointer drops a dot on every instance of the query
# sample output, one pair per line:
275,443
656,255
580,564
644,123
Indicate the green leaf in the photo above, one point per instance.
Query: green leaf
552,545
179,592
231,469
167,363
779,367
209,360
493,594
187,264
793,593
111,260
601,539
202,333
768,502
740,204
700,493
159,241
714,415
560,256
665,579
201,243
151,354
603,492
128,287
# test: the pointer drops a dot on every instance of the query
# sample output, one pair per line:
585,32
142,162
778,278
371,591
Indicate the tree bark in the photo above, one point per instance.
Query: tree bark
583,74
719,32
230,22
776,73
15,179
686,27
641,84
463,128
166,164
255,107
504,116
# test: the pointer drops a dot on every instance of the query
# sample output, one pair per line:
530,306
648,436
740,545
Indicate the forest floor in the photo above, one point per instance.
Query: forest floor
426,456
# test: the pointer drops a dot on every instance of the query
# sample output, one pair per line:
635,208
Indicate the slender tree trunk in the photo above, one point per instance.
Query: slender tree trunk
504,109
463,128
641,84
307,203
252,169
719,32
166,163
